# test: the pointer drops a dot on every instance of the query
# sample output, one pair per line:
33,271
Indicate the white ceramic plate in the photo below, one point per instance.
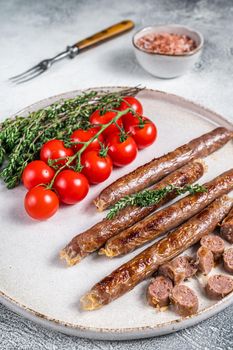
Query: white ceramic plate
34,283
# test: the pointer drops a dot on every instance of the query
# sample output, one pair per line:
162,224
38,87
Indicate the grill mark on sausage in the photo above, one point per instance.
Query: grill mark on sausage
93,238
146,175
148,261
168,218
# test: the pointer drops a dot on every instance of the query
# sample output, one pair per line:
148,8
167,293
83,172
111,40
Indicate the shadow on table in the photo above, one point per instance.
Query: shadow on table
124,63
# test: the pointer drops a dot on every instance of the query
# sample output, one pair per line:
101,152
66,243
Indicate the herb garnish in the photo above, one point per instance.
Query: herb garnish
150,197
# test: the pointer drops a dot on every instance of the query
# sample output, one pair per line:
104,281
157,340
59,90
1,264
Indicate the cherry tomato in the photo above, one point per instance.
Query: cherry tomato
84,136
122,153
97,118
143,131
71,186
96,168
41,203
54,149
35,173
130,102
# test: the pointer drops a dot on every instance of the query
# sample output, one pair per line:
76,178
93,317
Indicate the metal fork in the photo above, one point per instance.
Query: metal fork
72,51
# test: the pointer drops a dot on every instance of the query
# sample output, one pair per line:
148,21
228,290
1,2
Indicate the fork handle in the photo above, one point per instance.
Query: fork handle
104,35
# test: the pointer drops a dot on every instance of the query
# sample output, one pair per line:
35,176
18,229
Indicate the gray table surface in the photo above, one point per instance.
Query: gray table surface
31,30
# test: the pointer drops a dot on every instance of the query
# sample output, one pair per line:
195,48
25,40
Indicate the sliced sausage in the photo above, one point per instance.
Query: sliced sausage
213,243
178,269
228,260
227,228
166,219
148,174
143,265
205,260
184,300
92,239
158,291
218,286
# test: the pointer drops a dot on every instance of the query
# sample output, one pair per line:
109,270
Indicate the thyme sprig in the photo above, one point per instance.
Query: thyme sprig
21,138
150,197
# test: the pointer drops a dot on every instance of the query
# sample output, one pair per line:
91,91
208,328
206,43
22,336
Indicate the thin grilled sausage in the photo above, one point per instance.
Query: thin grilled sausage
218,286
158,292
168,218
184,300
127,276
94,238
178,269
146,175
227,228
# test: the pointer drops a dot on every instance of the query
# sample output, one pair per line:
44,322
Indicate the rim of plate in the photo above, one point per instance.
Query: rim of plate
144,331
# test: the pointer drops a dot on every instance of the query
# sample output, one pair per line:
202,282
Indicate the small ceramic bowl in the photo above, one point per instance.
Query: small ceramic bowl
163,65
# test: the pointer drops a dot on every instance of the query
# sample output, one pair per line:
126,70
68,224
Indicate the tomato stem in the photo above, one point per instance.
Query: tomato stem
77,155
123,136
103,150
141,122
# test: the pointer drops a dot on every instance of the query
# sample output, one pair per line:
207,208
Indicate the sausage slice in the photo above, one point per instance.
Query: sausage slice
228,260
227,228
213,243
205,260
218,286
178,269
184,300
158,291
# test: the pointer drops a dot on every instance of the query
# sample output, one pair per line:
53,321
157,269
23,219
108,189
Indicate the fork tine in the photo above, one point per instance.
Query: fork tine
21,75
32,76
26,75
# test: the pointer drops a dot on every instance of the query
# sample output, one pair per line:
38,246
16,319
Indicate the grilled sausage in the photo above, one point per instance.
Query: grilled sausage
227,228
213,243
92,239
158,292
228,260
184,300
218,286
127,276
166,219
205,260
148,174
178,269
